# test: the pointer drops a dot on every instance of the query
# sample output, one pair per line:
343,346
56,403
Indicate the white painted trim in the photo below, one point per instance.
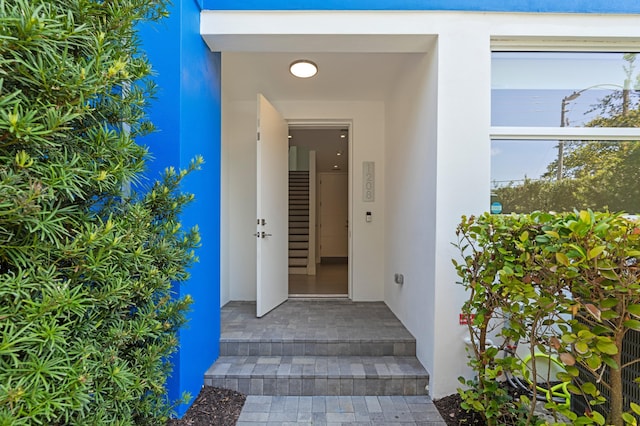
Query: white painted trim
412,31
313,228
564,44
566,133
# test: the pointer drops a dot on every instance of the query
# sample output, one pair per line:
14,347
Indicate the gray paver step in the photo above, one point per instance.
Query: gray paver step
397,346
339,410
319,375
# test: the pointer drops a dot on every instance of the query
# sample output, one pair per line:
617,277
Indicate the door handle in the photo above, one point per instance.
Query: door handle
264,234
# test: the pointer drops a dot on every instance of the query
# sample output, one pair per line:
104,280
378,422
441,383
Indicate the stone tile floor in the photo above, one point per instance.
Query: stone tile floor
339,410
320,320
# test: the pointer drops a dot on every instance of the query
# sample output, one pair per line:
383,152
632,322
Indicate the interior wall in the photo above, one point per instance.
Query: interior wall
367,144
411,154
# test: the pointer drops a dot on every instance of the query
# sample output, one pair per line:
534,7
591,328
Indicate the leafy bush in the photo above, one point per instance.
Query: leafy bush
87,314
567,285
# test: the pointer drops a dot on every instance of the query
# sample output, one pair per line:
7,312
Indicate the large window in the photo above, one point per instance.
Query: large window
565,131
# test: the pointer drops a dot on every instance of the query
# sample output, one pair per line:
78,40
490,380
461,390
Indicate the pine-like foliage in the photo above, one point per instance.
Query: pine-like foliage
87,317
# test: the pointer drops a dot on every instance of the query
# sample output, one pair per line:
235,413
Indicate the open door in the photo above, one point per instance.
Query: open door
272,192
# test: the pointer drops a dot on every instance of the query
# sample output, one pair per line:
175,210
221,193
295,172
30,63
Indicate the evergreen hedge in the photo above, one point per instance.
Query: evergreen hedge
88,318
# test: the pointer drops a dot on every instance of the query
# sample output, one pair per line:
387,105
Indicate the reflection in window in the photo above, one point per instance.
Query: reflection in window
600,175
565,89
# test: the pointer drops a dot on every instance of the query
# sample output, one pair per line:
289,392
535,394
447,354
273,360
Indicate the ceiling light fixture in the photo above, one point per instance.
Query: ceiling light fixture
303,68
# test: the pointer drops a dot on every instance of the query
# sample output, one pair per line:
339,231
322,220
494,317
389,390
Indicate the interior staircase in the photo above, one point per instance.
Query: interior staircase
298,222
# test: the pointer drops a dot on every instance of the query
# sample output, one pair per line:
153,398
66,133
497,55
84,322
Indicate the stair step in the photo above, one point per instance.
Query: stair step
398,346
299,231
298,253
296,261
319,375
298,218
295,202
298,245
297,270
298,225
299,210
298,237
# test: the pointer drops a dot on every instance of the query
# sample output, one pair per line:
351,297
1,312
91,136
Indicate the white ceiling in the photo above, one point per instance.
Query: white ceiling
341,76
331,148
350,68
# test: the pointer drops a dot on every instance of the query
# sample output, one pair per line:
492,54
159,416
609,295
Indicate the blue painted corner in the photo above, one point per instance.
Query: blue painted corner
186,112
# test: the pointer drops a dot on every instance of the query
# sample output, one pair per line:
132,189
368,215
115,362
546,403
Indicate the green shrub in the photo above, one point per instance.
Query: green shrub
87,315
567,285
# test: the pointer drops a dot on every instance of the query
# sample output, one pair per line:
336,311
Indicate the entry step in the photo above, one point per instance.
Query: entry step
323,347
319,375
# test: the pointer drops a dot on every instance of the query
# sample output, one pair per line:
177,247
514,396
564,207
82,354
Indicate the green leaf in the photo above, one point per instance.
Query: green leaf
594,362
634,309
609,274
595,252
598,418
634,407
632,324
581,347
610,362
589,388
585,217
609,303
629,419
607,347
562,259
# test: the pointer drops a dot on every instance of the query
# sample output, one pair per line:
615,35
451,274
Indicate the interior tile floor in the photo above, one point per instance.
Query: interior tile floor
330,280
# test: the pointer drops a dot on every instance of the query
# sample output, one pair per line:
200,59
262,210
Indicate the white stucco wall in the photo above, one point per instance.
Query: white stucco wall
436,157
224,207
412,170
240,129
367,144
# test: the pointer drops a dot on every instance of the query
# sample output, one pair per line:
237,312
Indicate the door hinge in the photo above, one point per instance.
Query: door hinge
258,136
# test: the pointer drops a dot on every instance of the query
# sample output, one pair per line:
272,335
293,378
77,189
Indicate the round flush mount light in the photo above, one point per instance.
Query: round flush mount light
303,68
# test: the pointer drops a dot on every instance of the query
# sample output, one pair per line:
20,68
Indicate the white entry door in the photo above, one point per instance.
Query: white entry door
272,208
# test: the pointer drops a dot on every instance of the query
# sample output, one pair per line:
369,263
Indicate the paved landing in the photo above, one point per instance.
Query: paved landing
313,320
339,410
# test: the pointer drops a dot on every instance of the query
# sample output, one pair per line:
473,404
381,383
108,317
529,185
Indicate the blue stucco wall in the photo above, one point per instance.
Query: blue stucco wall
552,6
187,115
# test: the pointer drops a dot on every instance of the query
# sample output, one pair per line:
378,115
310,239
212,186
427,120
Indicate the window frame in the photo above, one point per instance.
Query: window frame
529,44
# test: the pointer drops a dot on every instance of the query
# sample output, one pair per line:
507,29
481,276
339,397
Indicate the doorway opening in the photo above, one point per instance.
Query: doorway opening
319,211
